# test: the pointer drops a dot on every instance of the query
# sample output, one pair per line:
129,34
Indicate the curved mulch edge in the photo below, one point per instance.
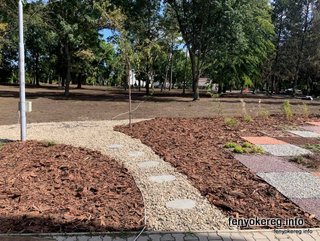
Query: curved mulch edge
193,146
47,188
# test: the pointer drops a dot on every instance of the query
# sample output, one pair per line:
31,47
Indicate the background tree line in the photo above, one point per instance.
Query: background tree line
236,43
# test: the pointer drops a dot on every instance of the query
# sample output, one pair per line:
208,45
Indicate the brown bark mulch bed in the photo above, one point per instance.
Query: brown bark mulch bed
58,188
195,148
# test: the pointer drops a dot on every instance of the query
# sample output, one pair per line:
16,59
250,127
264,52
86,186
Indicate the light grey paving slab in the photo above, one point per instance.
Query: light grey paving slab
148,164
285,150
307,134
136,153
162,178
294,184
115,146
181,204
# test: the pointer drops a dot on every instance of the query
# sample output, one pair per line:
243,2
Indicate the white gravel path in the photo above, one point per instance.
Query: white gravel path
99,135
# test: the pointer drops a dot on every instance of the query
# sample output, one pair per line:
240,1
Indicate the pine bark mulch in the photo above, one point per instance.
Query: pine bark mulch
195,148
58,188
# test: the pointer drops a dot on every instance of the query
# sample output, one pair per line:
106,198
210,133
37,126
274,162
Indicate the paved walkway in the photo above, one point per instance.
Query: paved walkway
293,182
251,235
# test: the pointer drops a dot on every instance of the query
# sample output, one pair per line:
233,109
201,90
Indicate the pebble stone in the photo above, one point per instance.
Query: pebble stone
149,164
163,178
181,204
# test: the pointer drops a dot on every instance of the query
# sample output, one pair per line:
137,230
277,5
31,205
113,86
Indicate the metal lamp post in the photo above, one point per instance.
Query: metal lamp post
23,118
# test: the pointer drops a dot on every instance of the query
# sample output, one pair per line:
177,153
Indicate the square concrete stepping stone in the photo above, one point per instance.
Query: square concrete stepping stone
308,134
136,153
263,163
312,206
294,184
162,178
316,123
148,164
312,128
263,140
115,146
285,150
181,204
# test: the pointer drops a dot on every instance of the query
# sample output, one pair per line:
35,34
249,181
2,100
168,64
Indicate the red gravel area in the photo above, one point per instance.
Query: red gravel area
194,147
59,188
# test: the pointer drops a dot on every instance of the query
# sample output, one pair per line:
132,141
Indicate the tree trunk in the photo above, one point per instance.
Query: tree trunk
37,79
79,80
300,51
171,73
185,74
68,74
272,84
195,77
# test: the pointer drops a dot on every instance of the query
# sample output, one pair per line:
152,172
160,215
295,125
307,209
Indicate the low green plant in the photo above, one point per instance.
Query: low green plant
313,147
264,113
257,150
49,143
238,149
231,122
286,109
248,118
230,145
306,161
305,110
247,145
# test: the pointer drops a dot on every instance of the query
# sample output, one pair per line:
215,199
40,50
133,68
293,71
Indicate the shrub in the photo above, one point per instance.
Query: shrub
247,145
48,143
231,122
313,147
257,150
248,118
230,145
264,113
287,110
238,149
305,110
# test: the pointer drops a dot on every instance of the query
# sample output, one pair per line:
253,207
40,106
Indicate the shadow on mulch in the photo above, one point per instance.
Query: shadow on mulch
195,148
46,187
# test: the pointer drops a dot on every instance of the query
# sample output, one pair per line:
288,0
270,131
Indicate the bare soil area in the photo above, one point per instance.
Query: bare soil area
195,148
105,103
46,187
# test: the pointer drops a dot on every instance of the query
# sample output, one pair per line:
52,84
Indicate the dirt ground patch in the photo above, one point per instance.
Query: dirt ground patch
195,148
58,188
105,103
